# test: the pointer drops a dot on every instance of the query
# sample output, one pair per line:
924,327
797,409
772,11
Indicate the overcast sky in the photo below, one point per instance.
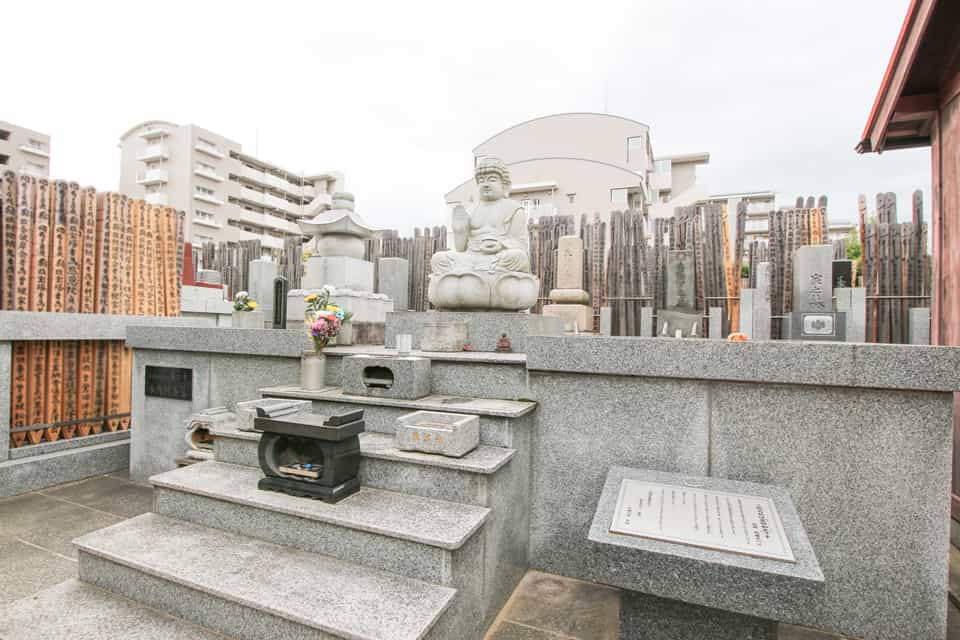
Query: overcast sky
396,94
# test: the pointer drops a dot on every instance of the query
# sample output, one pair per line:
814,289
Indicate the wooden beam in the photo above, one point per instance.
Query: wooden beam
920,105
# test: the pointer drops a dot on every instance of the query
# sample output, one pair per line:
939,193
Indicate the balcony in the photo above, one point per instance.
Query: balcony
159,199
154,152
208,174
283,205
31,169
268,221
152,176
660,181
206,197
209,149
153,132
207,222
268,179
35,150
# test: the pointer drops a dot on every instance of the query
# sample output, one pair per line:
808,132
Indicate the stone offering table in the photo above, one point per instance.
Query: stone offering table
739,593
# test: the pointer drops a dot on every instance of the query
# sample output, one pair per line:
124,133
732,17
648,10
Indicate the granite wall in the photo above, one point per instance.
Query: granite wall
859,435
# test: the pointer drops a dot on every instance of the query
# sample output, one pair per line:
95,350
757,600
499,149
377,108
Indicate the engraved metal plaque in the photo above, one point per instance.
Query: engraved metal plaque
691,515
168,382
818,324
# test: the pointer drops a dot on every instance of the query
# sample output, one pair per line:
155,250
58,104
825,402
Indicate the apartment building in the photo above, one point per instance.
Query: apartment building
228,195
570,163
24,150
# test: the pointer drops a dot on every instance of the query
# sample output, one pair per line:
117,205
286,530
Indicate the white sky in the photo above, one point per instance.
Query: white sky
397,94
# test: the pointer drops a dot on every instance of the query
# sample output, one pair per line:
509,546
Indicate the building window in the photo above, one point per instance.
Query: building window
4,159
204,191
571,197
203,166
204,215
39,145
618,197
4,134
201,239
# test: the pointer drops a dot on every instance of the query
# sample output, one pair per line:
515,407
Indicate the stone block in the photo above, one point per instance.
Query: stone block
444,336
569,263
646,322
247,319
575,317
669,322
406,377
393,277
716,324
208,276
761,303
485,327
365,307
569,296
853,304
606,321
449,434
41,471
745,584
919,325
341,272
747,299
247,410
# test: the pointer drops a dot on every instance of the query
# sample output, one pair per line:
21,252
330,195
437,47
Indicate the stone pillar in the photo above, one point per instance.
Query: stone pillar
393,281
746,312
570,301
606,321
646,322
761,303
716,323
260,285
853,304
6,375
919,325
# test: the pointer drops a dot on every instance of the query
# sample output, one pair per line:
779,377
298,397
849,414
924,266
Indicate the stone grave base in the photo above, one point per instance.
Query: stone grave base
679,320
646,617
485,327
340,271
575,317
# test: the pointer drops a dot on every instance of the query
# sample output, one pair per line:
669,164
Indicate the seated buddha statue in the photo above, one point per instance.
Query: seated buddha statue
489,267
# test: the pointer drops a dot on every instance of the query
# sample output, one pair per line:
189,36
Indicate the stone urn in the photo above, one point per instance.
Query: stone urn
247,320
313,370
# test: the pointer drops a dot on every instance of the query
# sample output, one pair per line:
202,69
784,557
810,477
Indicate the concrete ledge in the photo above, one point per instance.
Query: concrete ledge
255,342
36,325
878,366
484,330
72,443
753,586
39,472
485,357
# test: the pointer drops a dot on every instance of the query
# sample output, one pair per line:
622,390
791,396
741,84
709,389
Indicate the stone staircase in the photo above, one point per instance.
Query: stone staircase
430,547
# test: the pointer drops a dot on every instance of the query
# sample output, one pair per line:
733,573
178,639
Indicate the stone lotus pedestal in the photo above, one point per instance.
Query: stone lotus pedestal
483,290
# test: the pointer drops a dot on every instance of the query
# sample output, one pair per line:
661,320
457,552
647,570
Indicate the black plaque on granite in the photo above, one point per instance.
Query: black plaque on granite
168,382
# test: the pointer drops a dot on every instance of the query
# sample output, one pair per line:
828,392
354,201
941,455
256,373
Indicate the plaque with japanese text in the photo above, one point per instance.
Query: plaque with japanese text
168,382
748,525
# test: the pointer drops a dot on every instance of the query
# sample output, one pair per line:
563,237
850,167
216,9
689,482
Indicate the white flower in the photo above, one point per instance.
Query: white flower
329,289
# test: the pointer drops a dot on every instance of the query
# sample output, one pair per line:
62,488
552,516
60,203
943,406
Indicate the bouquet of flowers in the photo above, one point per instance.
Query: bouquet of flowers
323,319
243,302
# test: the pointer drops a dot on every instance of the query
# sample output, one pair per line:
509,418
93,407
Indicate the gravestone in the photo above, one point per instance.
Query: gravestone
260,285
717,331
813,317
393,277
919,325
680,318
853,304
842,274
761,303
570,301
606,321
747,297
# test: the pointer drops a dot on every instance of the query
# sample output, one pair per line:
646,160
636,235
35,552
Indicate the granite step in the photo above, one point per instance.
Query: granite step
384,466
406,534
80,611
252,589
499,419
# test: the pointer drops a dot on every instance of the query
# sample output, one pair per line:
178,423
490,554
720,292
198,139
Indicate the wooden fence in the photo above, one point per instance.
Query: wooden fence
417,251
68,249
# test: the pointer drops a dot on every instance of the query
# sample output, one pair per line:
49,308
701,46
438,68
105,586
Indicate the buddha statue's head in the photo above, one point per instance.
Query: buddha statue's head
493,179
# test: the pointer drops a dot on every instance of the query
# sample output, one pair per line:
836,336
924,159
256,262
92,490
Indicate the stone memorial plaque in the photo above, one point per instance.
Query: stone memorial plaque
748,525
168,382
680,280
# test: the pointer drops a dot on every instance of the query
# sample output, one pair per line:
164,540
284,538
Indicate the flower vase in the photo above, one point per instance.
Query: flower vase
313,371
345,336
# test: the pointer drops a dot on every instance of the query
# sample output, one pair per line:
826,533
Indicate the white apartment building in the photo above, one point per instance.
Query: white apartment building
24,150
570,163
227,195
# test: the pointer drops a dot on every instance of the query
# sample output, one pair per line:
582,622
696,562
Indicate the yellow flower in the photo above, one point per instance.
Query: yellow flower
311,297
252,304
